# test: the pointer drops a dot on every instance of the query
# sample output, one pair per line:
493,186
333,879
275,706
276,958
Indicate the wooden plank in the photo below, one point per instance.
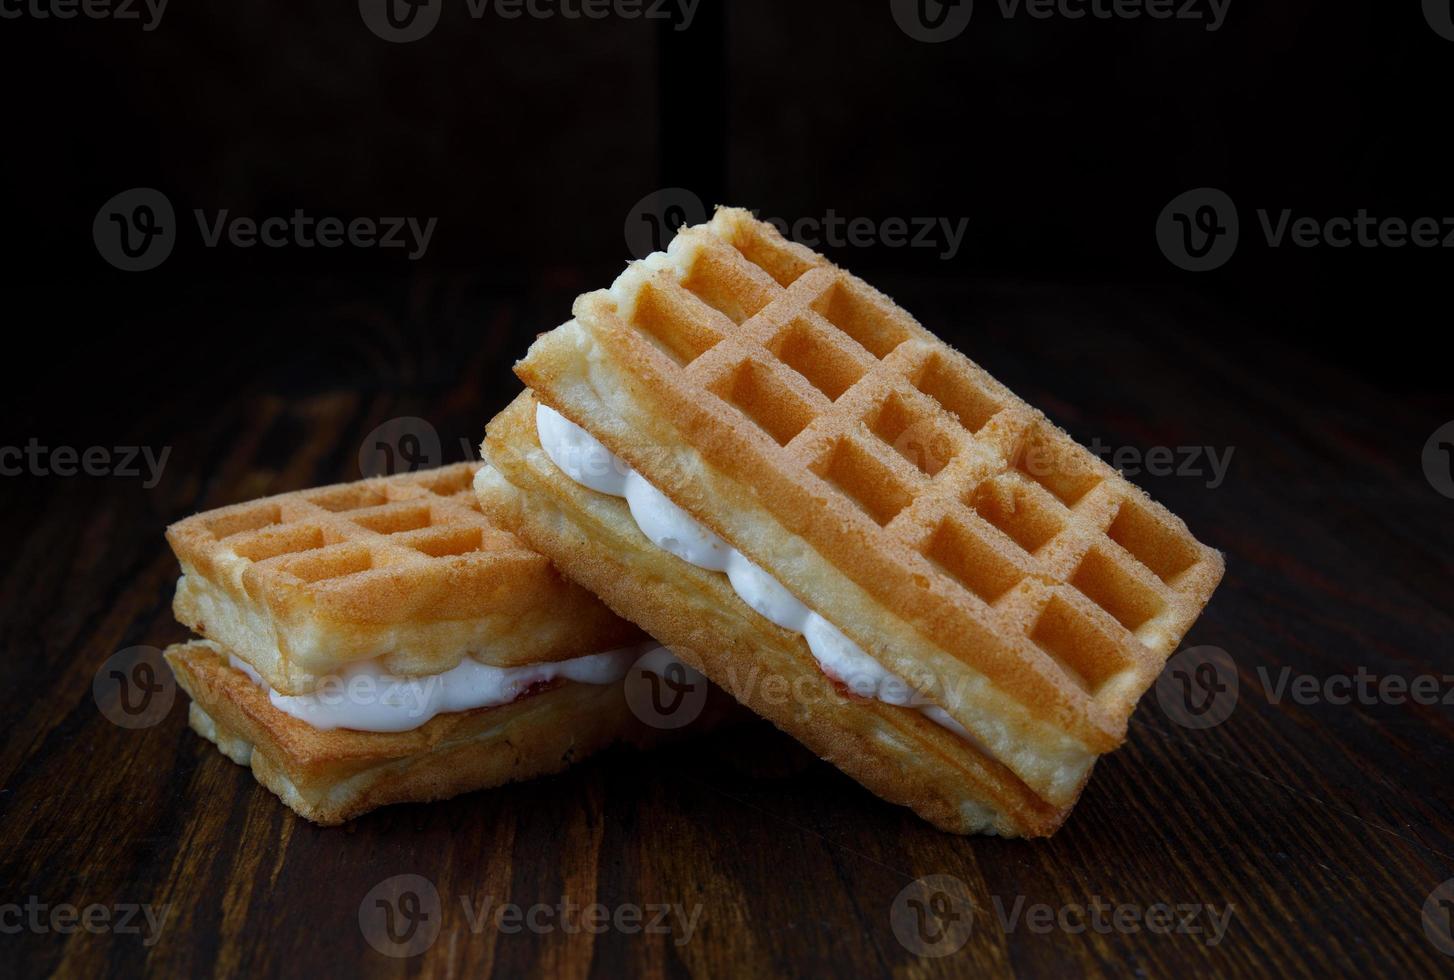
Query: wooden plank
1322,827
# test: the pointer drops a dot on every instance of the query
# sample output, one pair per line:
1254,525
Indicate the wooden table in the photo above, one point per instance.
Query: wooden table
1318,830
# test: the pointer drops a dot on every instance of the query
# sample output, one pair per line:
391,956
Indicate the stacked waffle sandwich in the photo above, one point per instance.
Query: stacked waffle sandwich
774,470
381,641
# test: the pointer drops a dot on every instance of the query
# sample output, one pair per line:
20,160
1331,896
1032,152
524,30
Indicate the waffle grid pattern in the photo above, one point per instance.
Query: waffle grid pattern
1054,543
345,537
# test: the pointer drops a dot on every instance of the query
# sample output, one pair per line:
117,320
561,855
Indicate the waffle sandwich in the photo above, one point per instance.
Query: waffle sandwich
854,529
381,642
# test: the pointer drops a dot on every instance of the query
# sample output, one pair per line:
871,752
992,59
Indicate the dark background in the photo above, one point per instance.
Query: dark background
1323,370
531,140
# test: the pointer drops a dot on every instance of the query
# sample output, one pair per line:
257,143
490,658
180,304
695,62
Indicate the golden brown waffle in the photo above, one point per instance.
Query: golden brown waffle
892,485
405,568
333,776
897,753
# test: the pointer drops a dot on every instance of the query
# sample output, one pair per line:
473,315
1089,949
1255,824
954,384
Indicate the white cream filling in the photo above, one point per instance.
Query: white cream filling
582,457
366,698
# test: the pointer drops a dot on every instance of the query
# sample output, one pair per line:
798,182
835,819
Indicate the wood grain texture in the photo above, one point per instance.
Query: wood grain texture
1322,827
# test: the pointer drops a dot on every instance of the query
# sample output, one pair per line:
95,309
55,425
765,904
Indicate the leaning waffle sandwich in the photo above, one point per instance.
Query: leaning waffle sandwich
381,641
781,475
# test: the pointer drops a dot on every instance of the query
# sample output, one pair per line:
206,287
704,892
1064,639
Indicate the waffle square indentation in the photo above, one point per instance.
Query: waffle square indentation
914,432
1151,541
1030,519
811,351
682,338
849,308
756,392
864,479
966,556
1102,580
950,385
